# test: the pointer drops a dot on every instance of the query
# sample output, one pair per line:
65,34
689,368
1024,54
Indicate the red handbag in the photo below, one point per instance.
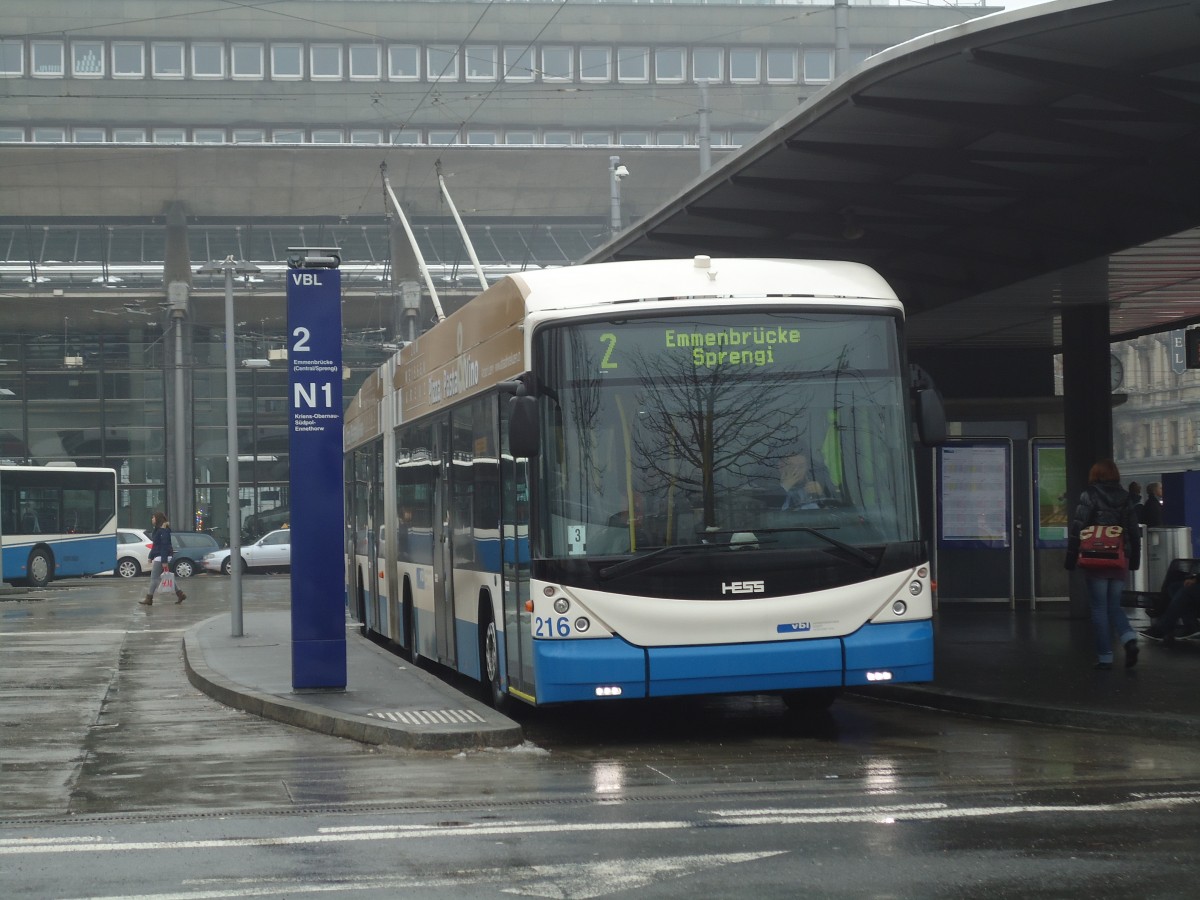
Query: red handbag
1102,547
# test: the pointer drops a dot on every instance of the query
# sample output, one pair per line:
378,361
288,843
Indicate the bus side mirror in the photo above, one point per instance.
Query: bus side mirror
523,437
928,410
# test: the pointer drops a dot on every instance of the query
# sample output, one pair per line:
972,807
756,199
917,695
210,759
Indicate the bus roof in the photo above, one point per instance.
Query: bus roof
483,342
699,277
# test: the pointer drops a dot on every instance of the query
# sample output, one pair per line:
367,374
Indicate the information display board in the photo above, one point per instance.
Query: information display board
974,501
315,442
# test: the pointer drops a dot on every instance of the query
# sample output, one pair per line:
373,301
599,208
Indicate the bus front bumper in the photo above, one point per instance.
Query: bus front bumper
575,670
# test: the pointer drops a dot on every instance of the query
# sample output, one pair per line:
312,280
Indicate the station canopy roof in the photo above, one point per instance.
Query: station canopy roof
78,255
993,172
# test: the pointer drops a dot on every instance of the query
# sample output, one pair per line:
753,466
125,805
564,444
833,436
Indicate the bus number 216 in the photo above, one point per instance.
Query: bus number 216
547,627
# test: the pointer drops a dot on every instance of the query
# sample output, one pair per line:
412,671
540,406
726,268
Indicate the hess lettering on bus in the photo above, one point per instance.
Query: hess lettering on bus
743,587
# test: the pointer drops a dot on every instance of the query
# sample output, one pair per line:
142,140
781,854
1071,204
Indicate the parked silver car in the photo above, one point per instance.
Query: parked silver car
133,552
272,551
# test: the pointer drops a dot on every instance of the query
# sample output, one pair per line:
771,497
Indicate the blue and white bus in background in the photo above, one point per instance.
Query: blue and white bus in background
570,489
56,522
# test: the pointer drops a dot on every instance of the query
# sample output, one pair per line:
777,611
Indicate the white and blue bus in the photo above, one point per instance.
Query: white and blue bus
570,488
56,522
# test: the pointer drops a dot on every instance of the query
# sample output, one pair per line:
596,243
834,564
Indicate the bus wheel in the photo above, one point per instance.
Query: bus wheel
489,665
40,569
811,700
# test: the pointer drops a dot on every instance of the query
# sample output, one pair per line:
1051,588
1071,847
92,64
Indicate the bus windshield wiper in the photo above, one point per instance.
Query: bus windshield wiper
861,555
660,556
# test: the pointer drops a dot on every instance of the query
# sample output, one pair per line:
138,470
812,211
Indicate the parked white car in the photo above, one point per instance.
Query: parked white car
133,552
271,551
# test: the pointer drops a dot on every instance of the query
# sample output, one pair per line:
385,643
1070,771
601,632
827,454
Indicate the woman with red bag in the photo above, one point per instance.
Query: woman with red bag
1106,503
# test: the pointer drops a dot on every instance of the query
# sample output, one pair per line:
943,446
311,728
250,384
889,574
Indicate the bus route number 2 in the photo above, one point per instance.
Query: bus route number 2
551,627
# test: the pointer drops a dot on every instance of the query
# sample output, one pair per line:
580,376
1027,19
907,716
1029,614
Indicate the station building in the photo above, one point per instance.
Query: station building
142,140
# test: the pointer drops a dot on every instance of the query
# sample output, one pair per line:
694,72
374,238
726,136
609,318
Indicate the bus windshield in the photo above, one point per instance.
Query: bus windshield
765,429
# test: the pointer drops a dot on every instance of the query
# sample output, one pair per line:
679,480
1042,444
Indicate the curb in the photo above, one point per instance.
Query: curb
1153,725
364,729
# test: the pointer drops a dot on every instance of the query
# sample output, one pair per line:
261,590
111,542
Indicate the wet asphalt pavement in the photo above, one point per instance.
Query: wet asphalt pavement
119,778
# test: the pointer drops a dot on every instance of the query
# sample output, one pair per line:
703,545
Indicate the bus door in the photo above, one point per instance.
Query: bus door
514,565
360,580
376,612
443,555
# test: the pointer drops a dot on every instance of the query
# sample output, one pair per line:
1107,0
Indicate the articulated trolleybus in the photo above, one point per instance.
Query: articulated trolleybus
647,479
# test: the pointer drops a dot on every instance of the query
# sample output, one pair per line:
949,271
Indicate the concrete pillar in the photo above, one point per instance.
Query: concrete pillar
841,37
1087,393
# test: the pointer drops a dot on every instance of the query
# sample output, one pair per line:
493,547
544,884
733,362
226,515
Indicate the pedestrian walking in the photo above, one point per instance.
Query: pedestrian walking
1106,503
160,558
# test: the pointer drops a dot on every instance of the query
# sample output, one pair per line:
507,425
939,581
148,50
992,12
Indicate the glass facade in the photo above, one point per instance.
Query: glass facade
104,400
96,386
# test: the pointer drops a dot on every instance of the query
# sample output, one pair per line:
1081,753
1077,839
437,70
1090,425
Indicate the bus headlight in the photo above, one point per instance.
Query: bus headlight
915,588
582,624
899,607
561,605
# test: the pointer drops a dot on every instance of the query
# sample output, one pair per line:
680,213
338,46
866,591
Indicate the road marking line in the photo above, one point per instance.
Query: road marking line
848,815
577,881
361,829
391,834
882,814
88,631
831,811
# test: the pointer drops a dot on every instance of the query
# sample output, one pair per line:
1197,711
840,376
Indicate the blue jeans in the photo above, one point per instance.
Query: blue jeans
1107,616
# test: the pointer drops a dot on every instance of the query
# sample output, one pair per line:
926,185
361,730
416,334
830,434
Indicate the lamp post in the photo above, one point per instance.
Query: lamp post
229,268
179,501
616,172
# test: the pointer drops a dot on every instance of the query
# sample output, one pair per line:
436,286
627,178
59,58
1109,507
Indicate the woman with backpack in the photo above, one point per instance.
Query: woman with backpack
1106,503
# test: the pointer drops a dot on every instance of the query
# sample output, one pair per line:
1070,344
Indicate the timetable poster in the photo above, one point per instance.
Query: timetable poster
973,494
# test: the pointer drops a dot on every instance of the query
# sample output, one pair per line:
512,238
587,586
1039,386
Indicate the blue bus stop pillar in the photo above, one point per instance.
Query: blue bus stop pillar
316,505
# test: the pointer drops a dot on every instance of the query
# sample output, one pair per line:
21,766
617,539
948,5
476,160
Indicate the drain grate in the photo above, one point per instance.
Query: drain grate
428,716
